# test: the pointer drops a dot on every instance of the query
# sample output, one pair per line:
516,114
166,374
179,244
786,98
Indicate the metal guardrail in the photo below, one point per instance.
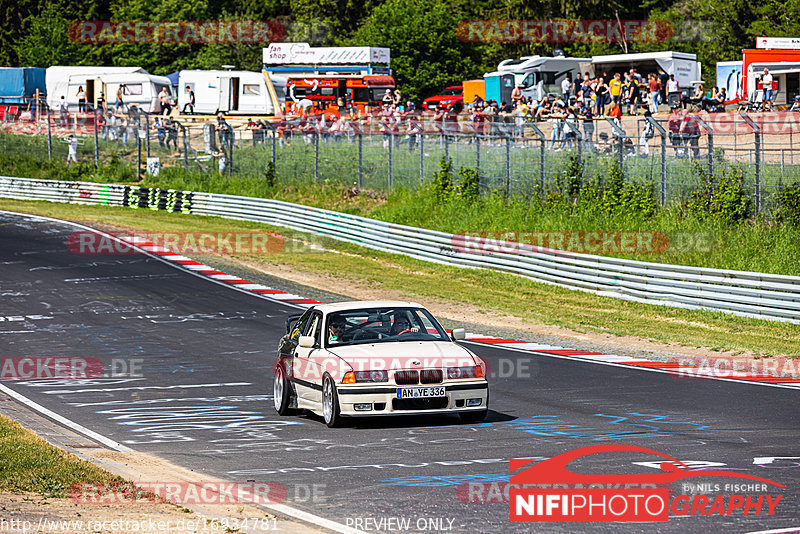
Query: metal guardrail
748,294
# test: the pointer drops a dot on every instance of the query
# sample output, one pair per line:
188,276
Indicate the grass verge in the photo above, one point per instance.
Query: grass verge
488,292
30,464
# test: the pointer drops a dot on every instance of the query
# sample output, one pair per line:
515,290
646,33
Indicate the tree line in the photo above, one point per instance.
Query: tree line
428,50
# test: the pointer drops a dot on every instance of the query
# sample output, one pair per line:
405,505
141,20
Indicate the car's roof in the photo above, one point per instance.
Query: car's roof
361,304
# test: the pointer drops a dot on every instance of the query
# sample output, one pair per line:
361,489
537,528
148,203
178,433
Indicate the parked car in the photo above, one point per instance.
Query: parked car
376,358
446,98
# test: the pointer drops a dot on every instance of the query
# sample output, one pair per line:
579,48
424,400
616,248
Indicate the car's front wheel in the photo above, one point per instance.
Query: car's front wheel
330,403
281,394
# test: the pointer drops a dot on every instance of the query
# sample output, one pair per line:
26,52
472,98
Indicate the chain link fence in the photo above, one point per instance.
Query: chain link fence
674,153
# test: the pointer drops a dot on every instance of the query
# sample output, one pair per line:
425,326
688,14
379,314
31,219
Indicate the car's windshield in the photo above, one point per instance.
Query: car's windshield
381,325
451,91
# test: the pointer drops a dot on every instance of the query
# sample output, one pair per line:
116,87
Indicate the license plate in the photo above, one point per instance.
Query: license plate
419,393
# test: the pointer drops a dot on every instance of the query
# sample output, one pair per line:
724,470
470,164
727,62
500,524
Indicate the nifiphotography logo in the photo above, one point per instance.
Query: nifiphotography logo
548,491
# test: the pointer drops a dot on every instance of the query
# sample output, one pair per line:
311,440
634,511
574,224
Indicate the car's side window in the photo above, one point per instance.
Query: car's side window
301,325
315,329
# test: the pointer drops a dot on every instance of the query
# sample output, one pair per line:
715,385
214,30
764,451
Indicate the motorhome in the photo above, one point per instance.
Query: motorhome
538,75
228,91
684,66
139,87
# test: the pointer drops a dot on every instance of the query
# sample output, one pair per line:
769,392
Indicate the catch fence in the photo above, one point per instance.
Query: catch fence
511,155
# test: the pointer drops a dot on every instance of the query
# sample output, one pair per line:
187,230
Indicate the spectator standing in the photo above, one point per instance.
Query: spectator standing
674,126
516,94
172,132
161,133
655,87
615,88
72,143
223,131
100,123
438,119
586,115
387,99
555,119
571,119
672,90
63,112
81,94
600,95
766,84
190,104
663,78
520,113
566,88
690,130
163,98
101,103
577,84
647,134
120,104
633,95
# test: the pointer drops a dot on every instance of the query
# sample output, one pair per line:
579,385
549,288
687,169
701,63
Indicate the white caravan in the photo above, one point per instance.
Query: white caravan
227,91
139,87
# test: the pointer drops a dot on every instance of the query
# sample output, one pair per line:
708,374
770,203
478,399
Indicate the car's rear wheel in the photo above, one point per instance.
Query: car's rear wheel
281,391
330,403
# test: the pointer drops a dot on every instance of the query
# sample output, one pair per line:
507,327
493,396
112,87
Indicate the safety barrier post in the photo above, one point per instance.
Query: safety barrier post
96,149
49,138
542,142
663,133
360,160
391,152
508,165
757,134
316,156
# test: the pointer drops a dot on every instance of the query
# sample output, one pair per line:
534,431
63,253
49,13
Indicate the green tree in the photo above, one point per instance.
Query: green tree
426,53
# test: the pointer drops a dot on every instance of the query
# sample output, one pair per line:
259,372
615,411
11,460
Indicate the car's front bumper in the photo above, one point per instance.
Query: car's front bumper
383,400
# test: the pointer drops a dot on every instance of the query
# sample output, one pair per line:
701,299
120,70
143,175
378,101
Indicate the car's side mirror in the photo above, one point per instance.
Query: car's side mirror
458,334
306,342
290,321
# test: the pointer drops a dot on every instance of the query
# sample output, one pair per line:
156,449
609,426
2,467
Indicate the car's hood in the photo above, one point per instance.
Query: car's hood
405,355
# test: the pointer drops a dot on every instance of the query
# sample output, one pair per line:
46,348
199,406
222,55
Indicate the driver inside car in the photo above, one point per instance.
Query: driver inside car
336,328
401,325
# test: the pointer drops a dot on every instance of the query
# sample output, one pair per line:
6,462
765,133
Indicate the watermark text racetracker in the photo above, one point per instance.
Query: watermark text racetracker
68,367
581,31
586,242
197,493
200,524
187,243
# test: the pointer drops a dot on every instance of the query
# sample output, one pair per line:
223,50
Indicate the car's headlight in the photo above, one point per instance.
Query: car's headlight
352,377
473,371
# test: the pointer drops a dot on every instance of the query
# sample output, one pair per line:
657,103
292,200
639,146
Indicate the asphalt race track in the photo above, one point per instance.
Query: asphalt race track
187,376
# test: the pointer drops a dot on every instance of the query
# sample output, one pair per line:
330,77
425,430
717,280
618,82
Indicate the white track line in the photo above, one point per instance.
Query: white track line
108,442
279,508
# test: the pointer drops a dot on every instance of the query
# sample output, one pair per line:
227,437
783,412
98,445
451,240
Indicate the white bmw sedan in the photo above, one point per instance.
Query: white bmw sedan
376,358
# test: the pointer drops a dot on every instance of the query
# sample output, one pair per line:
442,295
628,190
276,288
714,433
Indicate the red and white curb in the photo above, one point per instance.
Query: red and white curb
198,268
679,369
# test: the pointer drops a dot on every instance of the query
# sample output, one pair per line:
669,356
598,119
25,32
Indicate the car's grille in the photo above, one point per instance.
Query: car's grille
404,378
435,403
431,376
